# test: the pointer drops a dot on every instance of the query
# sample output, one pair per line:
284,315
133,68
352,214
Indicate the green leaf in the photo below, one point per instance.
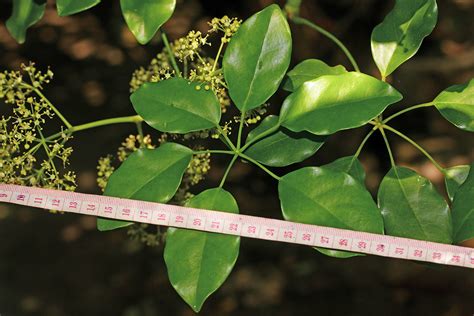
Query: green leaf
331,103
463,209
145,17
401,33
350,165
321,196
199,262
412,208
307,70
456,104
257,58
150,175
177,106
68,7
354,168
25,13
454,177
283,147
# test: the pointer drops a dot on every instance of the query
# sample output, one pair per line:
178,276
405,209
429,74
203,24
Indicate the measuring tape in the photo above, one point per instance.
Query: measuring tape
239,225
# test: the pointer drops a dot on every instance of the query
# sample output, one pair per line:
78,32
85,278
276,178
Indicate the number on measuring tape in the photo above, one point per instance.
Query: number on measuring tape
238,225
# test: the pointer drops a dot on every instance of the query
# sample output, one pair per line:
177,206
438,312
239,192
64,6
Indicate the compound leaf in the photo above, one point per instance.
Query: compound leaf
401,33
68,7
149,175
145,17
199,262
456,104
350,165
283,147
25,13
321,196
307,70
331,103
454,178
257,58
463,209
177,106
412,208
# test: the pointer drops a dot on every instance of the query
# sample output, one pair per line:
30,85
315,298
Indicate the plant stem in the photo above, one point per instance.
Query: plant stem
46,149
421,149
392,161
55,110
303,21
241,127
414,107
212,151
185,68
260,136
217,56
227,141
260,165
292,7
170,53
115,120
366,138
140,132
226,173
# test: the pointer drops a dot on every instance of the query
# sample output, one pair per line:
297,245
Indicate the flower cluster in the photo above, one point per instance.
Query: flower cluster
158,69
26,156
196,67
131,144
254,116
189,46
13,86
226,25
205,72
149,235
105,169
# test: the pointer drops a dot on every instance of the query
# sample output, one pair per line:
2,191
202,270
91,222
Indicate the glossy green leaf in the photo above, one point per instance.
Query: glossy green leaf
25,13
463,209
68,7
412,208
321,196
307,70
455,176
151,175
401,33
199,262
257,58
145,17
331,103
456,104
177,106
350,165
283,147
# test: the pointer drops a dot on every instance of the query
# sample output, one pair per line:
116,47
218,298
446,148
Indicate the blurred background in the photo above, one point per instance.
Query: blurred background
59,265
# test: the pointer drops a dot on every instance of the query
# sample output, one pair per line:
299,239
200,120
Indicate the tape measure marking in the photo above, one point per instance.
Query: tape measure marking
239,225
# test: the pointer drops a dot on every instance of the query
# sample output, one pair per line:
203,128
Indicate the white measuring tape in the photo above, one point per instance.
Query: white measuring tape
236,224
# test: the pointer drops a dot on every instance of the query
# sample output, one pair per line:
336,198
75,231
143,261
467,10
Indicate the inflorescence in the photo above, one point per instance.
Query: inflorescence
26,156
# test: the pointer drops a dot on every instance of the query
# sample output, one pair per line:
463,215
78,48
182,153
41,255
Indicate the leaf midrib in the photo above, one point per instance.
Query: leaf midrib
244,105
154,176
204,245
188,111
344,103
399,182
321,206
397,47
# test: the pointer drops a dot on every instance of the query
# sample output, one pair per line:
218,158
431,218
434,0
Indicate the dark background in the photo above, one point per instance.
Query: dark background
60,265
